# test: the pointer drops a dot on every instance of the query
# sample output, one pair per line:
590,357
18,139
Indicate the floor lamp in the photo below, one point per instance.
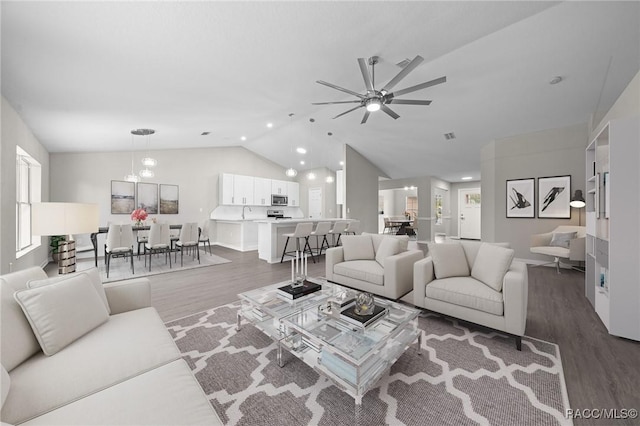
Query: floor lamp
64,219
577,202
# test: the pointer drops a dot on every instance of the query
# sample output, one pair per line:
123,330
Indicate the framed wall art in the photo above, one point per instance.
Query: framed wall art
148,197
520,198
554,193
169,199
123,197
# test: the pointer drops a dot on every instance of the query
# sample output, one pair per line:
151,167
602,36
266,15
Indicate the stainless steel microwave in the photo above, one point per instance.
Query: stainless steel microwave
279,200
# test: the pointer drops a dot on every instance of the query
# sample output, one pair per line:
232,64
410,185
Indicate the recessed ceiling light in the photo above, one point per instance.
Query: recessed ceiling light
243,138
467,178
302,162
342,163
555,80
269,125
301,150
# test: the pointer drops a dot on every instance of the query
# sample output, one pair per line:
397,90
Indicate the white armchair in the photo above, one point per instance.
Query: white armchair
564,242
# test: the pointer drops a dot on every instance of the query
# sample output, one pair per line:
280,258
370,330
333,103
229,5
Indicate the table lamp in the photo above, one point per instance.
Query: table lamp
64,219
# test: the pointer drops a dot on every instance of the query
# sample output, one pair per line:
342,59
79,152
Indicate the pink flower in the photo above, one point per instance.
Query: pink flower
139,214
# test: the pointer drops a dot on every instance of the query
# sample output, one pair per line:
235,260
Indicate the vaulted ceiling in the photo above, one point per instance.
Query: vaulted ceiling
83,74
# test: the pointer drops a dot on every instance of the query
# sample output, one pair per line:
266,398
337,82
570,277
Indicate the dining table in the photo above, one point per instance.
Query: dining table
403,225
105,229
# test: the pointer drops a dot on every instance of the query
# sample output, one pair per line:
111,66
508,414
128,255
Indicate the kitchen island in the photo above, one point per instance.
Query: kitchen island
271,240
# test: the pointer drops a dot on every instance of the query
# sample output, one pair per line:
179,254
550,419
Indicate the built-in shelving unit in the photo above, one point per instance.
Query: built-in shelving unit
612,275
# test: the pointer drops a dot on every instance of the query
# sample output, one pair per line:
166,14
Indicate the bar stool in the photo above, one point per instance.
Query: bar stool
338,229
322,229
303,230
353,228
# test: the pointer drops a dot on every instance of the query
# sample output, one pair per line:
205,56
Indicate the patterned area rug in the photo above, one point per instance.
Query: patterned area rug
120,268
463,377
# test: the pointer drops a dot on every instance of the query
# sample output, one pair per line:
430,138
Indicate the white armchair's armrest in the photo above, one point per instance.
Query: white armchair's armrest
333,256
398,273
515,287
129,295
422,275
539,240
577,249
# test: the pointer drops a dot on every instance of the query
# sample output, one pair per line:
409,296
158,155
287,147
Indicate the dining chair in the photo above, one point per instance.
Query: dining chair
159,242
142,237
188,240
119,244
204,236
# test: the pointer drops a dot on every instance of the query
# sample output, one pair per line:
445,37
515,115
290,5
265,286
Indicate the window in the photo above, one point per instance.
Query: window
28,182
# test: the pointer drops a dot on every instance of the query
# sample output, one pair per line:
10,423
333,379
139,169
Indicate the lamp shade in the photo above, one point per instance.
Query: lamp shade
64,218
577,201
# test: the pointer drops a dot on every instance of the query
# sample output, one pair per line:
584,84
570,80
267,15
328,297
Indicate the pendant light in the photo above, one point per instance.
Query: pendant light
146,161
329,178
291,172
132,177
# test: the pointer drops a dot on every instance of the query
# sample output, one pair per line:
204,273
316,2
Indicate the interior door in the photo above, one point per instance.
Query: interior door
469,206
315,203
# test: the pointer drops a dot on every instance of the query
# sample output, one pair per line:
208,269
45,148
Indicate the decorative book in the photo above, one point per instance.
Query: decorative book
292,293
350,315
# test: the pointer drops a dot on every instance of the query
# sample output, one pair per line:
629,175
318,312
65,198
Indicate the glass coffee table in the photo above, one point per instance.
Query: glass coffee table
311,328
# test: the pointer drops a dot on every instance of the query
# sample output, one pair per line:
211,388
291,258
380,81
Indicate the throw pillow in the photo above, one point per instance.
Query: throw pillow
62,312
94,277
562,239
357,247
388,247
448,260
491,265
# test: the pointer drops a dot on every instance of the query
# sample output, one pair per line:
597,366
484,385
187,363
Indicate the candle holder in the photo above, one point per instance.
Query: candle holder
298,270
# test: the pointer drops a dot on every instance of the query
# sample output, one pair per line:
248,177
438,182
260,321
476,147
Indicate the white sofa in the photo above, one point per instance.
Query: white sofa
378,264
126,370
476,282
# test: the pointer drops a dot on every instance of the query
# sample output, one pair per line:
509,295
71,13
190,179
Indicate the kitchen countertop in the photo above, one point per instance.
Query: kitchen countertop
299,220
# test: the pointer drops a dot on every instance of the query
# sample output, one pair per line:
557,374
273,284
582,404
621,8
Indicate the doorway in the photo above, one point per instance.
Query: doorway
315,203
469,207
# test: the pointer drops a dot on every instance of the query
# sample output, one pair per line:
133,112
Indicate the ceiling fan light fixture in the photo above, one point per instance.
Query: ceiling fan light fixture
373,104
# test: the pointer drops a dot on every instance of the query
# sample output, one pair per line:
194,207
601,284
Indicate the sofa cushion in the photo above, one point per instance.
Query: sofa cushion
92,274
491,264
448,260
123,347
357,247
18,340
167,395
5,382
61,312
562,239
471,250
388,247
363,270
377,239
467,292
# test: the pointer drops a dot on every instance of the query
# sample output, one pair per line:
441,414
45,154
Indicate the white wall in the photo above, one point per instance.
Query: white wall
15,132
553,152
86,177
361,190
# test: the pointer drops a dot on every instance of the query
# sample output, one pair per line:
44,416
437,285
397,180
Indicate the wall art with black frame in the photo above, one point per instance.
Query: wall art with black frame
169,199
520,198
554,195
123,197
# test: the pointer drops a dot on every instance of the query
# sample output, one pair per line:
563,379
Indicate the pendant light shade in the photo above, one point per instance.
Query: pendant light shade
147,161
329,179
291,172
146,173
577,201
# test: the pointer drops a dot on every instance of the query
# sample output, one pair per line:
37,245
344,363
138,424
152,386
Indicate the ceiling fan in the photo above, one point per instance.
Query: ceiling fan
374,100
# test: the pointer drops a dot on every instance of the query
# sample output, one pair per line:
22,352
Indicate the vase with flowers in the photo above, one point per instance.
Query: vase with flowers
139,215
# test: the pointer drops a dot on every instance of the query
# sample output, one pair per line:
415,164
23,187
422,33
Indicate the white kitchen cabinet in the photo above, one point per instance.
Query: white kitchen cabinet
262,191
236,190
293,192
279,187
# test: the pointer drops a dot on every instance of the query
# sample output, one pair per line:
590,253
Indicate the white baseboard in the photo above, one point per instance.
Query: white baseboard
236,247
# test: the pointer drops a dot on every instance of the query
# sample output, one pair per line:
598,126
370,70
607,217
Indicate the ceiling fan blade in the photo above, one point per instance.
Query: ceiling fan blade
342,89
389,111
420,86
348,111
408,102
402,74
337,102
366,116
365,74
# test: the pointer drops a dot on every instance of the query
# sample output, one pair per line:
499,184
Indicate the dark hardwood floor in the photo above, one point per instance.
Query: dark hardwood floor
601,371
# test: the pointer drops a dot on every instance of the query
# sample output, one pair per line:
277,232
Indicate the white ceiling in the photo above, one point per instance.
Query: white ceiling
83,74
